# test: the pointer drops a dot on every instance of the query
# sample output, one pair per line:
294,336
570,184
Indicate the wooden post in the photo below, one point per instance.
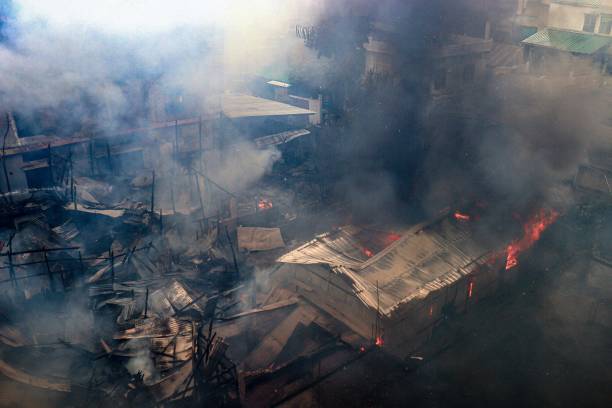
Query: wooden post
229,239
197,180
172,197
50,162
376,339
91,158
10,257
51,282
62,278
175,158
176,142
73,191
153,193
194,352
200,142
81,264
70,163
108,157
146,310
112,266
161,221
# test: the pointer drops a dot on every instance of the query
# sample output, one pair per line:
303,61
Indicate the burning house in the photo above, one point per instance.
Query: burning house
393,289
396,295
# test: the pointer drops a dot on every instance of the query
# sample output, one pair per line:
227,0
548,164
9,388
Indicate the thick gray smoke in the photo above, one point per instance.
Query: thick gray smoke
528,135
513,138
95,64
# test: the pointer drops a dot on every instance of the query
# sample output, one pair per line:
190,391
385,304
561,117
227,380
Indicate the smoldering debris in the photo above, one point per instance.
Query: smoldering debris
230,215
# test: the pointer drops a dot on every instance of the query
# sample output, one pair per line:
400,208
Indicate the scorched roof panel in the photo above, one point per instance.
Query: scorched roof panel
427,258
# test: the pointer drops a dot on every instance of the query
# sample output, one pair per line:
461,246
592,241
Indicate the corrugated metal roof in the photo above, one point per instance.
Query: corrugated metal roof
569,41
505,55
338,248
425,259
242,106
280,138
583,3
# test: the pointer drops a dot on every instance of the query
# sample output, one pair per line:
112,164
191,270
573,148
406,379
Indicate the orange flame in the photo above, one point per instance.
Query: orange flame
264,204
379,341
461,217
532,231
391,238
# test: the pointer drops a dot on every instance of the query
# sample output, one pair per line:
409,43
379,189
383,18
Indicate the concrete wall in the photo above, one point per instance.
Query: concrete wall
310,104
570,17
532,13
456,73
378,57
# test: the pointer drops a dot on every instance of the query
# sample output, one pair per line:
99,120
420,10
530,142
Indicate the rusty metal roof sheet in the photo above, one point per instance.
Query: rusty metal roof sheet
337,248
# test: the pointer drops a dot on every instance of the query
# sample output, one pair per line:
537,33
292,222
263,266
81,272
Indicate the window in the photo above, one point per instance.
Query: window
469,73
439,81
605,26
589,23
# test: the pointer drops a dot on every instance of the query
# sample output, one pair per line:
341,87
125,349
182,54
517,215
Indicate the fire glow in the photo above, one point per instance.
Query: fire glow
379,341
533,229
461,217
391,238
264,204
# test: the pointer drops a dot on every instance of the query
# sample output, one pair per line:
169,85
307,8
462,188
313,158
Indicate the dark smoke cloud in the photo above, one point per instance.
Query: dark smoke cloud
517,141
512,139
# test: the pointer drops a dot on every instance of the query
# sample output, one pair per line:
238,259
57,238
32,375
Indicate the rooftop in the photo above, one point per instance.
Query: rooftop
279,83
242,106
582,3
568,41
426,258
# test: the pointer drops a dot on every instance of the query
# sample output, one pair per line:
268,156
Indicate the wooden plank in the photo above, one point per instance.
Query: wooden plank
269,348
266,308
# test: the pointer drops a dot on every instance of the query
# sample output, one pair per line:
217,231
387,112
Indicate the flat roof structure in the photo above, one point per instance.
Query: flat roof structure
236,106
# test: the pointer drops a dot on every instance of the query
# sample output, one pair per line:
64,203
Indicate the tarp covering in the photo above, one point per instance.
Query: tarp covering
259,239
